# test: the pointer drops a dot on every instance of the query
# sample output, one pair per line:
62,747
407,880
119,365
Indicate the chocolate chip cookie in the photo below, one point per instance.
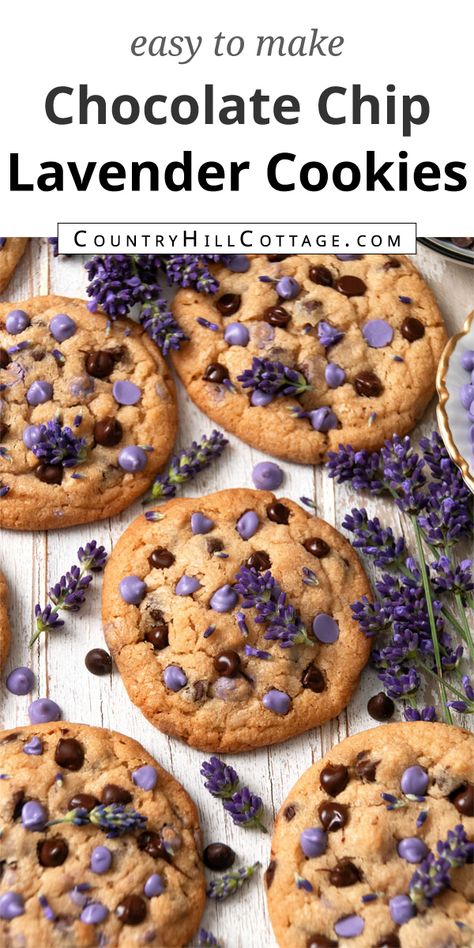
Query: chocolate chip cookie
87,414
300,353
229,619
4,621
373,846
100,845
11,252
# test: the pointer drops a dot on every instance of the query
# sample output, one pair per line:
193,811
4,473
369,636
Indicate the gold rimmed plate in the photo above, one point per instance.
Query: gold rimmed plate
453,419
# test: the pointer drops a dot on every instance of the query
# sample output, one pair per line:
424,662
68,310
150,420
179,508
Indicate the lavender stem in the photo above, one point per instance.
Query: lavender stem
429,604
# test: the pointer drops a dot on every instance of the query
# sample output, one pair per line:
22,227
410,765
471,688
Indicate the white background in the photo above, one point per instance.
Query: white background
421,47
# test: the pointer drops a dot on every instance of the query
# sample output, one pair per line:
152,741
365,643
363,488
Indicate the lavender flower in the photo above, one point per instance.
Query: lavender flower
115,819
246,809
273,378
220,779
302,883
120,281
261,592
447,577
207,939
4,489
46,908
92,557
257,652
434,873
69,593
192,270
184,466
231,882
422,714
464,706
161,326
362,468
59,445
374,540
403,472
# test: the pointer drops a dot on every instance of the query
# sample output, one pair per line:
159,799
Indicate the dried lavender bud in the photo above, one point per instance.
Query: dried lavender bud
231,882
184,466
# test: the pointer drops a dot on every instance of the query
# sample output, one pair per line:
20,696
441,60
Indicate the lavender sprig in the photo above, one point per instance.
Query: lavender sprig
161,326
273,378
222,781
59,445
246,809
261,592
115,819
434,873
184,466
69,594
374,540
231,882
192,270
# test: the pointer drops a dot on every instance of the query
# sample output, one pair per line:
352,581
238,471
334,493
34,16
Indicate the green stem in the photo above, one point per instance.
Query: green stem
56,608
447,684
467,636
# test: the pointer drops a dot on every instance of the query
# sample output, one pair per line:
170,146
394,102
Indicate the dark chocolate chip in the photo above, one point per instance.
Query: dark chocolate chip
333,816
276,257
259,561
216,373
317,546
412,329
3,430
152,843
289,812
161,558
52,852
392,264
218,856
389,941
38,355
228,304
18,802
199,690
351,286
313,679
99,364
4,359
380,707
49,473
227,663
83,801
334,779
158,635
108,432
278,513
344,873
365,768
463,242
321,275
131,910
114,794
270,873
277,316
464,800
98,662
368,384
320,941
214,545
69,753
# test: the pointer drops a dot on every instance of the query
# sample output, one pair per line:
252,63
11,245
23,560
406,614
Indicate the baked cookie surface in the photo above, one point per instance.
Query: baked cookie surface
11,252
365,335
343,855
106,398
74,885
182,629
4,621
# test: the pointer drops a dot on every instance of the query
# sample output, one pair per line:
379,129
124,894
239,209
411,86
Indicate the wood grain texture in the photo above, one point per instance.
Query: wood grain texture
33,561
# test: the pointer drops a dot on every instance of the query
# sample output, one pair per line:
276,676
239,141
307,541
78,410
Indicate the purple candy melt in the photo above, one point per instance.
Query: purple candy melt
200,523
412,849
81,386
132,459
62,327
467,395
94,913
237,263
414,781
349,256
44,710
132,589
34,816
224,599
349,926
287,288
101,859
39,392
236,334
32,435
325,628
313,841
277,701
79,895
187,585
33,747
20,681
267,476
377,333
334,375
16,321
126,393
401,909
145,777
467,360
323,419
258,399
154,886
247,525
11,905
174,677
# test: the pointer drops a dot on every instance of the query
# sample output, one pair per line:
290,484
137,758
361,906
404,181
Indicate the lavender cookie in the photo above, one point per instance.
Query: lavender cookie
11,252
375,843
100,845
312,350
230,621
87,414
4,621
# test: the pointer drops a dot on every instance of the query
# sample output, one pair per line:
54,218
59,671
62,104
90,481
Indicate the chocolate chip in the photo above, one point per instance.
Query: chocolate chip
334,779
161,558
344,873
464,800
98,662
227,663
321,275
313,679
69,753
389,941
333,816
365,768
52,852
276,257
114,794
18,801
412,329
214,545
463,242
289,812
270,873
108,432
99,364
38,355
49,473
277,316
228,304
368,384
131,910
317,546
218,856
380,707
278,513
392,264
4,359
158,635
199,690
3,430
351,286
259,561
320,941
152,843
83,801
216,373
